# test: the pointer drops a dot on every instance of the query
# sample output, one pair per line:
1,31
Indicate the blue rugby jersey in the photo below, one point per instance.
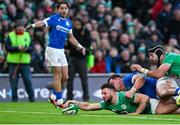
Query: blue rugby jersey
59,29
149,87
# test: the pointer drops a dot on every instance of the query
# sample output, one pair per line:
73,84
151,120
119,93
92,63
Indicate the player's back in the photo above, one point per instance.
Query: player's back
173,60
149,87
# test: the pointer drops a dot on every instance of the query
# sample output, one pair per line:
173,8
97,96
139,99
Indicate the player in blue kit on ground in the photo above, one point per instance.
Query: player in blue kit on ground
60,28
132,83
136,82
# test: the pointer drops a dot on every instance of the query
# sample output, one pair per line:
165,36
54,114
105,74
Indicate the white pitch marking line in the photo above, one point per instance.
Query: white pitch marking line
115,116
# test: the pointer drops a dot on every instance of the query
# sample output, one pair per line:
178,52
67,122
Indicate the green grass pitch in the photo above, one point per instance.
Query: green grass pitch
45,113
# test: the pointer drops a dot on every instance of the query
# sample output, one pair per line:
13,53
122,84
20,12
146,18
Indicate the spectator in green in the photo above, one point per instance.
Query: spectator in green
19,48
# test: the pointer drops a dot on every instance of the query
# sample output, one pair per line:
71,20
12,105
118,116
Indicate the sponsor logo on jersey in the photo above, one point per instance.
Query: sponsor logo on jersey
61,28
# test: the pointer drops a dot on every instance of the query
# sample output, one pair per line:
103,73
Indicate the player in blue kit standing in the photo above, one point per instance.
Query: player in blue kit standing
60,27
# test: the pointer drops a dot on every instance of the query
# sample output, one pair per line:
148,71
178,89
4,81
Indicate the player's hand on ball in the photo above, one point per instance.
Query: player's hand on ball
136,67
72,109
66,104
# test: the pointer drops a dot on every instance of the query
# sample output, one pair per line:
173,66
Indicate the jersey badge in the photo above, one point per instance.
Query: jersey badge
123,106
67,23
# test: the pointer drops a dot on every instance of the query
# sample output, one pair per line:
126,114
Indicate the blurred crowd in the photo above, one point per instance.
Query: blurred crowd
120,31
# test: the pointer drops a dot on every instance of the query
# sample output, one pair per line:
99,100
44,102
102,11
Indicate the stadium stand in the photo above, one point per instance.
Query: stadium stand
131,25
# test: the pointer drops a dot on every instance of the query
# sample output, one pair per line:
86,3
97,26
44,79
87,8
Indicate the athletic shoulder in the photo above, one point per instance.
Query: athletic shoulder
169,58
51,17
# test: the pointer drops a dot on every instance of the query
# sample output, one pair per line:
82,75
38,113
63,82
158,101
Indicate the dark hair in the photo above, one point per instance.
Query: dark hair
62,2
80,20
113,77
107,85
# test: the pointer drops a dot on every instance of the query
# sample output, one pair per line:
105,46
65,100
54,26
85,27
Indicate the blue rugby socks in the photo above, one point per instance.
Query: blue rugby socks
58,95
177,91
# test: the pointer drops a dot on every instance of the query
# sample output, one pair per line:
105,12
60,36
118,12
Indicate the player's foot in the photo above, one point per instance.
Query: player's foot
178,101
52,99
54,102
60,103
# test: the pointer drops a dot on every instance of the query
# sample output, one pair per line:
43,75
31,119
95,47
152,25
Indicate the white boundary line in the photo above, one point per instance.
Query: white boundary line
92,115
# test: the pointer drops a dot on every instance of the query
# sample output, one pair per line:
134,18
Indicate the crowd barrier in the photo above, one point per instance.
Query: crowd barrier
40,81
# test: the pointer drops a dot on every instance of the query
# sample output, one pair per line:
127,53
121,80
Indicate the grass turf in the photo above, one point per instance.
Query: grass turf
45,113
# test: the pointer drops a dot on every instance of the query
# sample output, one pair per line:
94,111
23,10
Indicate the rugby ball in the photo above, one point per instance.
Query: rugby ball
72,109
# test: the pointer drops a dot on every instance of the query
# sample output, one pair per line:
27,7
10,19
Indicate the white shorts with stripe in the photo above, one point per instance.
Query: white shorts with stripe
55,57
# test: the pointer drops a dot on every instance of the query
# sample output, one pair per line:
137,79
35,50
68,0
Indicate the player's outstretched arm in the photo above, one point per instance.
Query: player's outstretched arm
35,25
84,105
158,73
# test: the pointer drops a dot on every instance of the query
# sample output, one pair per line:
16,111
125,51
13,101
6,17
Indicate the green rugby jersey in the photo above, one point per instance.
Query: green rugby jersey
124,105
173,60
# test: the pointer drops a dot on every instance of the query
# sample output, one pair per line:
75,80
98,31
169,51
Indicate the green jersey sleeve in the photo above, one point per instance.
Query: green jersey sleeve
169,59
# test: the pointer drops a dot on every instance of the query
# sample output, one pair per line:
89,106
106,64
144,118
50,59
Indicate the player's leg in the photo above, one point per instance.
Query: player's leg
166,88
54,60
64,78
64,67
57,84
57,78
166,107
56,96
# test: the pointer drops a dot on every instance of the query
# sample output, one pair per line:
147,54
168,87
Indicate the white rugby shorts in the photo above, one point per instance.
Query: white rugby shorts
163,80
55,57
154,103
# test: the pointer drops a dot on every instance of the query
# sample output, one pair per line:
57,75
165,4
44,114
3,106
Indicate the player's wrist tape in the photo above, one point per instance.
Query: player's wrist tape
144,71
133,89
79,46
33,25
